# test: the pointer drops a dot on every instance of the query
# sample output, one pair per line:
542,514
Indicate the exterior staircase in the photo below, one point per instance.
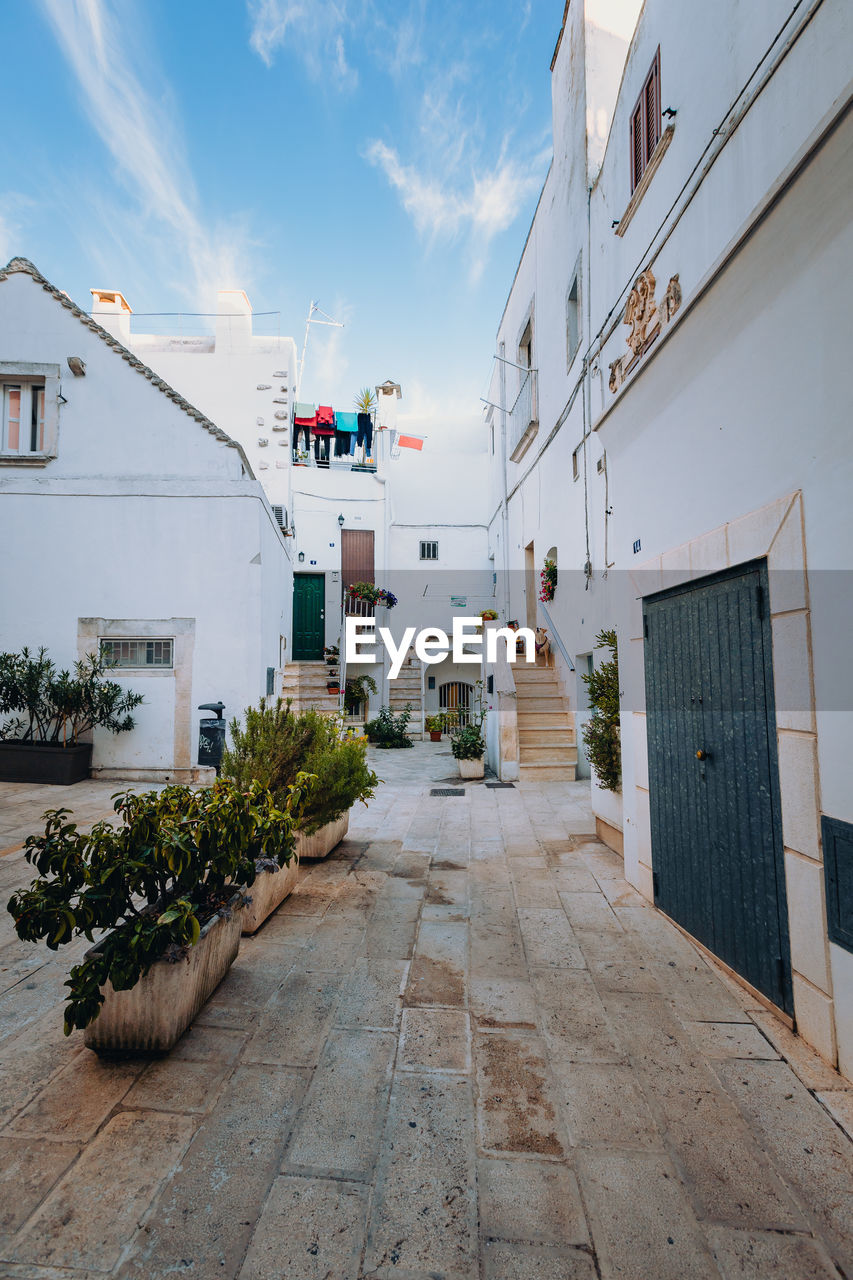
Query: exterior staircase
406,689
547,750
305,684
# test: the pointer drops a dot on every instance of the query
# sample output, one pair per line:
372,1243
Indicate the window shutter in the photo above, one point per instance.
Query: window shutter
13,418
636,148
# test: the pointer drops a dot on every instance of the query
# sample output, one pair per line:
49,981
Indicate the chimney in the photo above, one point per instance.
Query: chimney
387,396
233,320
112,312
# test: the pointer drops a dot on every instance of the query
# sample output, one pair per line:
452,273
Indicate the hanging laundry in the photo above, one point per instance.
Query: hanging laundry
346,430
325,420
304,420
365,431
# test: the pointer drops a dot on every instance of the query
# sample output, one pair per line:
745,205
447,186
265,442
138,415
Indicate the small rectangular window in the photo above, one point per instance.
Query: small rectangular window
573,331
429,550
646,123
138,653
576,470
22,418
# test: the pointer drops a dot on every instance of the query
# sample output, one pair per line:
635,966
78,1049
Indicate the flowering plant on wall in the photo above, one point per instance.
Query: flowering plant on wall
548,581
373,595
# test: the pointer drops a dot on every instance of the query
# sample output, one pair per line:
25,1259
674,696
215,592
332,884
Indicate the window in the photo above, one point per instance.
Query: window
525,347
138,653
23,417
573,317
576,468
645,123
429,550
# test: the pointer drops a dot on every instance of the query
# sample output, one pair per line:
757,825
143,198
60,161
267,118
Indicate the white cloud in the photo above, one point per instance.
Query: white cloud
314,28
481,206
138,131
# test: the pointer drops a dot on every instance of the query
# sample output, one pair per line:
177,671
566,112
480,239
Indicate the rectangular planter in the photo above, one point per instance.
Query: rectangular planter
268,892
323,841
44,762
471,768
154,1014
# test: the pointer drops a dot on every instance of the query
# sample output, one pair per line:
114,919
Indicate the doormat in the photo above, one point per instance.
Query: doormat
447,791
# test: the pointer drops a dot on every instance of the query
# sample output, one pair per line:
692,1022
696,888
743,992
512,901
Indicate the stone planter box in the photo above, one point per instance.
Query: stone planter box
323,841
154,1014
44,762
471,768
268,892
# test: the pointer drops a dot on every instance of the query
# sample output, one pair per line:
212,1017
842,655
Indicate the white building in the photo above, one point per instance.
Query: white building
682,306
127,514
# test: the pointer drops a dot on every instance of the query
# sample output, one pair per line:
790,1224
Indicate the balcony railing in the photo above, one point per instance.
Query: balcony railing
349,462
523,416
355,607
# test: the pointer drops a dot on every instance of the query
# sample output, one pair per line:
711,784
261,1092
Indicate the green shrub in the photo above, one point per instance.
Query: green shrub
58,706
276,744
174,861
601,732
388,730
468,743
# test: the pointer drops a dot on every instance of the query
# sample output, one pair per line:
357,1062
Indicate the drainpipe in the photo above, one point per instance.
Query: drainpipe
504,511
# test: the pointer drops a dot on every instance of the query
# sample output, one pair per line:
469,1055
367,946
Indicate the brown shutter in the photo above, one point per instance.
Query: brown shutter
356,556
636,147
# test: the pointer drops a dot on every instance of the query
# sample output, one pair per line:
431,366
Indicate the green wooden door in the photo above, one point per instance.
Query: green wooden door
713,774
309,628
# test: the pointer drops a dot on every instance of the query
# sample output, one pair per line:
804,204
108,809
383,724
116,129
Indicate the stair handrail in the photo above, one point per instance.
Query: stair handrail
556,635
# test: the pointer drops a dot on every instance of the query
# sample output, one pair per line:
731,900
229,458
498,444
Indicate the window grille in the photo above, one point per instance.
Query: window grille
454,698
429,550
138,653
646,123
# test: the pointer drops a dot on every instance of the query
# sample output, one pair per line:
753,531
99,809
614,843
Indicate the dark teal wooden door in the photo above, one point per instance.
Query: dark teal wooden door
713,773
309,592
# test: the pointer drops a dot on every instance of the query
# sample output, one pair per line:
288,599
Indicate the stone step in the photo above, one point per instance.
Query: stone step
525,674
546,773
531,705
546,736
548,755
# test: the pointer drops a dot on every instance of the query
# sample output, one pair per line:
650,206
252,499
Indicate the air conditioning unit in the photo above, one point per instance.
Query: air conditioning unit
280,514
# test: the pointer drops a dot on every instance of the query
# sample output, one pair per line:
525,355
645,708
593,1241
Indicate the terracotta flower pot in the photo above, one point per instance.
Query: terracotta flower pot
435,735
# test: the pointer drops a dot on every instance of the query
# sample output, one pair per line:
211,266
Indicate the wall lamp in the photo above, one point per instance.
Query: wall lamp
301,557
340,522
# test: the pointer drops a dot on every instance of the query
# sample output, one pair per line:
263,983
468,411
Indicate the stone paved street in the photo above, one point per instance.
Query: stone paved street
465,1047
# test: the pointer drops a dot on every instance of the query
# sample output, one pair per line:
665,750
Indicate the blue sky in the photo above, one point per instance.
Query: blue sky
381,157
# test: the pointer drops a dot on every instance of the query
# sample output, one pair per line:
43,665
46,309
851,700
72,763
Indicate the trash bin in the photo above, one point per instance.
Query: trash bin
211,736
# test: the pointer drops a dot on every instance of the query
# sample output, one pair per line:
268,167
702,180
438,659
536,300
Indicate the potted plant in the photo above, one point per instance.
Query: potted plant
356,691
167,885
274,746
467,742
372,594
489,615
51,711
548,581
332,655
434,726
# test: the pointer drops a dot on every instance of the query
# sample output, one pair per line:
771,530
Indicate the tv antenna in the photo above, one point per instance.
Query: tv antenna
327,320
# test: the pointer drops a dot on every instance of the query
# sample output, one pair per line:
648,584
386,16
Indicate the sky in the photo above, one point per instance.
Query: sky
382,157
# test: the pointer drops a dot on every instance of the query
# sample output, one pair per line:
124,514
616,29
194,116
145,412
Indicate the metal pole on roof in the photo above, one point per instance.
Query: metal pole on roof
335,324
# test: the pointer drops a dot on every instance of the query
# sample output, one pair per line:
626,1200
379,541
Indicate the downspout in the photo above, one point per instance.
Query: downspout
505,511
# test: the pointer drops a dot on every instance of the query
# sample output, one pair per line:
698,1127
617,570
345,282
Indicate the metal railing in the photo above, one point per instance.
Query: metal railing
524,411
554,635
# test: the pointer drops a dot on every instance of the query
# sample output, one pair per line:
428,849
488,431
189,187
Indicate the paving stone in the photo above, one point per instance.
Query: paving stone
699,992
536,1262
535,889
809,1150
293,1026
721,1040
388,939
573,1018
88,1217
311,1229
372,996
604,1108
588,910
549,940
204,1218
756,1255
516,1105
333,945
31,1059
280,929
530,1200
340,1122
29,1167
839,1104
437,975
503,1002
809,1066
204,1044
641,1221
658,1044
175,1085
77,1102
435,1040
424,1214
